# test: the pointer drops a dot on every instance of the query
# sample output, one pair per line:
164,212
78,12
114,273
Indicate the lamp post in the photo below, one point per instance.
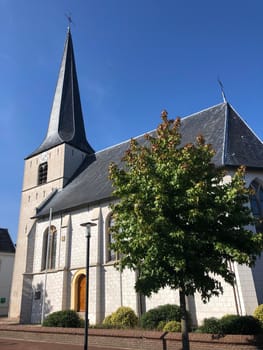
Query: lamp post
88,226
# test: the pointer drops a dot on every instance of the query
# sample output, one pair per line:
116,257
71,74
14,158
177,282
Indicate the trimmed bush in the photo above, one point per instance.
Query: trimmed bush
258,313
161,325
152,318
231,324
123,317
234,324
107,322
210,325
172,326
65,318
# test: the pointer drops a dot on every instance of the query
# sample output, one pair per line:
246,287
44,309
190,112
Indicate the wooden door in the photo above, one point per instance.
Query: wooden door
82,293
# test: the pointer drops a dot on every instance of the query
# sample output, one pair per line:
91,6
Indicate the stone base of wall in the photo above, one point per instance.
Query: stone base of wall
131,339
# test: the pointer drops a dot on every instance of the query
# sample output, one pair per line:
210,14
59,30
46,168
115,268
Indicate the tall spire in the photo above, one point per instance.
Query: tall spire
66,123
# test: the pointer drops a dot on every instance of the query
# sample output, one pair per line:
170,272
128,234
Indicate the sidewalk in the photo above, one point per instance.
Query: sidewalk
6,320
14,344
35,337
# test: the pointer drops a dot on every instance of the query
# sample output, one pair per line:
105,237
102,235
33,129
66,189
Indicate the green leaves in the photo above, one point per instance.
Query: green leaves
177,222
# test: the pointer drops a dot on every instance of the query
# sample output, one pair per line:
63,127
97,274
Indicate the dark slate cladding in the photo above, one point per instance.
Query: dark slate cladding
235,144
66,123
209,123
243,146
6,244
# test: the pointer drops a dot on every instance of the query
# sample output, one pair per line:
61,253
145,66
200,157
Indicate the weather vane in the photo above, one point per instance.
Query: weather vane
222,89
69,18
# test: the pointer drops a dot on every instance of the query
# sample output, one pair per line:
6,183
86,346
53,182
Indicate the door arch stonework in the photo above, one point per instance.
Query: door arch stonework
78,289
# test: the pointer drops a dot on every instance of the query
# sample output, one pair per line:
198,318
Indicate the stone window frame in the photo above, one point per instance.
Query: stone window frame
111,255
42,173
51,254
256,202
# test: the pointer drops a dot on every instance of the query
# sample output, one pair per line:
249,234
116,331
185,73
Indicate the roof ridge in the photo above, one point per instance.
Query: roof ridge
204,110
123,142
151,131
225,139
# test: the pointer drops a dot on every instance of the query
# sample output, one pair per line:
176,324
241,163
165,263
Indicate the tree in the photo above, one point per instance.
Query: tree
177,222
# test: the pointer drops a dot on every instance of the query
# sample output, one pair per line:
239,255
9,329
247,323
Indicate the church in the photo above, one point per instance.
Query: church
66,185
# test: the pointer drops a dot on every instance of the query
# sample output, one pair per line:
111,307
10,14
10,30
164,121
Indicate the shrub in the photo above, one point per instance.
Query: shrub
231,324
65,318
210,325
258,313
107,322
123,317
82,323
160,326
172,326
234,324
152,318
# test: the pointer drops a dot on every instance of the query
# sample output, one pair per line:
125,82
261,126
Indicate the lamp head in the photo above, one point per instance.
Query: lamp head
88,225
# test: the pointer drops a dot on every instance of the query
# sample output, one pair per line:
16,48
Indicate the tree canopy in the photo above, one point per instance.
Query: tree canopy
177,222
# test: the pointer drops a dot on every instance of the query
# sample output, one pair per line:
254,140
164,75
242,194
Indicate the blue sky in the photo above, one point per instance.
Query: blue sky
134,58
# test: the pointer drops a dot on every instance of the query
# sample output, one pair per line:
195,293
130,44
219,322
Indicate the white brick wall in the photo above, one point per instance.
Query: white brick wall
246,289
53,295
112,289
217,306
164,296
116,288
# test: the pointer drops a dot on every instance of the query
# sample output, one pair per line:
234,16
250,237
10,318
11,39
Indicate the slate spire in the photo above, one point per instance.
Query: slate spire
66,123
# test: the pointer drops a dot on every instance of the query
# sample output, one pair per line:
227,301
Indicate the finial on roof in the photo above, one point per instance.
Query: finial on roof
69,18
222,90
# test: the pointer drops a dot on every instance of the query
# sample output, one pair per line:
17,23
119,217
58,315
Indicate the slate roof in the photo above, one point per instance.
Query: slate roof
66,120
234,142
6,244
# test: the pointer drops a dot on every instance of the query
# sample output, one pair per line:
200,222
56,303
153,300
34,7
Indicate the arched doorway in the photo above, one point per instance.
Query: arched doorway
81,306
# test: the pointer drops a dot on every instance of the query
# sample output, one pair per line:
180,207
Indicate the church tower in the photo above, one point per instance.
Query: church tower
48,169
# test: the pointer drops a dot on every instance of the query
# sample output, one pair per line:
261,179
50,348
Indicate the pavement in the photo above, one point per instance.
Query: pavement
17,344
6,320
14,344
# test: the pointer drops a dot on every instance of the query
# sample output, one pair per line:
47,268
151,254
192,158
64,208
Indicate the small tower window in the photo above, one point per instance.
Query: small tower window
42,173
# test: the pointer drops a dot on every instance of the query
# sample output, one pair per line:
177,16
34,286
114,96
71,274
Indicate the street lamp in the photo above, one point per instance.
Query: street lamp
88,226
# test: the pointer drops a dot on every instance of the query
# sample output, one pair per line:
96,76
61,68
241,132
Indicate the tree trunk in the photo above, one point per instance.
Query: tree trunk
184,326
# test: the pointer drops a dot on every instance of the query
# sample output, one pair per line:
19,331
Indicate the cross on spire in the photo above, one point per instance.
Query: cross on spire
69,18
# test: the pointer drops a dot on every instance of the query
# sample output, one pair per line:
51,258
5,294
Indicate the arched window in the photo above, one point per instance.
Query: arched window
256,203
49,248
42,173
111,254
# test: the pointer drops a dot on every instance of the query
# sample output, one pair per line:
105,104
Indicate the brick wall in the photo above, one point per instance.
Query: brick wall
131,339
